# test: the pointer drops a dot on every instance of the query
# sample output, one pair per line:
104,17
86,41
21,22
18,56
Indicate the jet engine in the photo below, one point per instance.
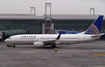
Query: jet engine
38,44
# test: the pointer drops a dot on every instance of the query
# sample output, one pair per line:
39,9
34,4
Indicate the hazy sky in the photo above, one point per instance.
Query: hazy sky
58,6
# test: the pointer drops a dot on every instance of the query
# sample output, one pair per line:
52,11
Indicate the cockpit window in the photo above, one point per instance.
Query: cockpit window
9,38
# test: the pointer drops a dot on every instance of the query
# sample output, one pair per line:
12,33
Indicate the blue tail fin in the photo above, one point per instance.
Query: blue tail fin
95,27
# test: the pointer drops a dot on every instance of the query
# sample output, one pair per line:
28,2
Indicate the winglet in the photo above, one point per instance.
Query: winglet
58,36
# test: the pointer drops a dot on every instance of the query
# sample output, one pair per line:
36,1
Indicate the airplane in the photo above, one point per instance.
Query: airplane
92,33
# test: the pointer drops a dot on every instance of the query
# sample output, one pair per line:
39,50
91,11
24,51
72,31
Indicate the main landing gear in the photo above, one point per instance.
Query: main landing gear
14,46
52,46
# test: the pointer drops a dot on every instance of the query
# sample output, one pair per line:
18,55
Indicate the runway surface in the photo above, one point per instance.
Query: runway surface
90,54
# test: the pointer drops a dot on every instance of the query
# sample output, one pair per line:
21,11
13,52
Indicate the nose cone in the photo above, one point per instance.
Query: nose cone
6,40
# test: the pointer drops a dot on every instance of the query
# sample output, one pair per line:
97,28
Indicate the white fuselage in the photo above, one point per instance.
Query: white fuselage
64,39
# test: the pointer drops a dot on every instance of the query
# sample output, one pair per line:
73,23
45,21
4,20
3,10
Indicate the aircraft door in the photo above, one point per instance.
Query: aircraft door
83,38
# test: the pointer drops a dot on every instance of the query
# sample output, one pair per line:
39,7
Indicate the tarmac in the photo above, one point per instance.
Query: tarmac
89,54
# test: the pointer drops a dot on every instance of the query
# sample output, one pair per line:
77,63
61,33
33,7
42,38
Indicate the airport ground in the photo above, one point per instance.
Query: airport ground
91,54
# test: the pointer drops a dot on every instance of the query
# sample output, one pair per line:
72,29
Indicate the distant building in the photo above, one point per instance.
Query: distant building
31,24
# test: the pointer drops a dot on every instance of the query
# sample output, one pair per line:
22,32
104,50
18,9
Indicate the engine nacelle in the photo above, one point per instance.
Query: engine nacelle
38,44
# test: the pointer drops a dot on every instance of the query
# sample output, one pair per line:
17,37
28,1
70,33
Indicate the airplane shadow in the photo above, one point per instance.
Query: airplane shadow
62,47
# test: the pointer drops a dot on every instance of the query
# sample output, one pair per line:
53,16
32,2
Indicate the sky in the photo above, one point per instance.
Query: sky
57,6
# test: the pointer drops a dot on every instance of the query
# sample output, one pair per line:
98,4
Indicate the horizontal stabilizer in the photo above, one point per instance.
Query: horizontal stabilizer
98,35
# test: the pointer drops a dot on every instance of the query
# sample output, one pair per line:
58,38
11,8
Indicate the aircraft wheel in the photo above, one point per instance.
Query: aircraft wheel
14,46
54,46
51,46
